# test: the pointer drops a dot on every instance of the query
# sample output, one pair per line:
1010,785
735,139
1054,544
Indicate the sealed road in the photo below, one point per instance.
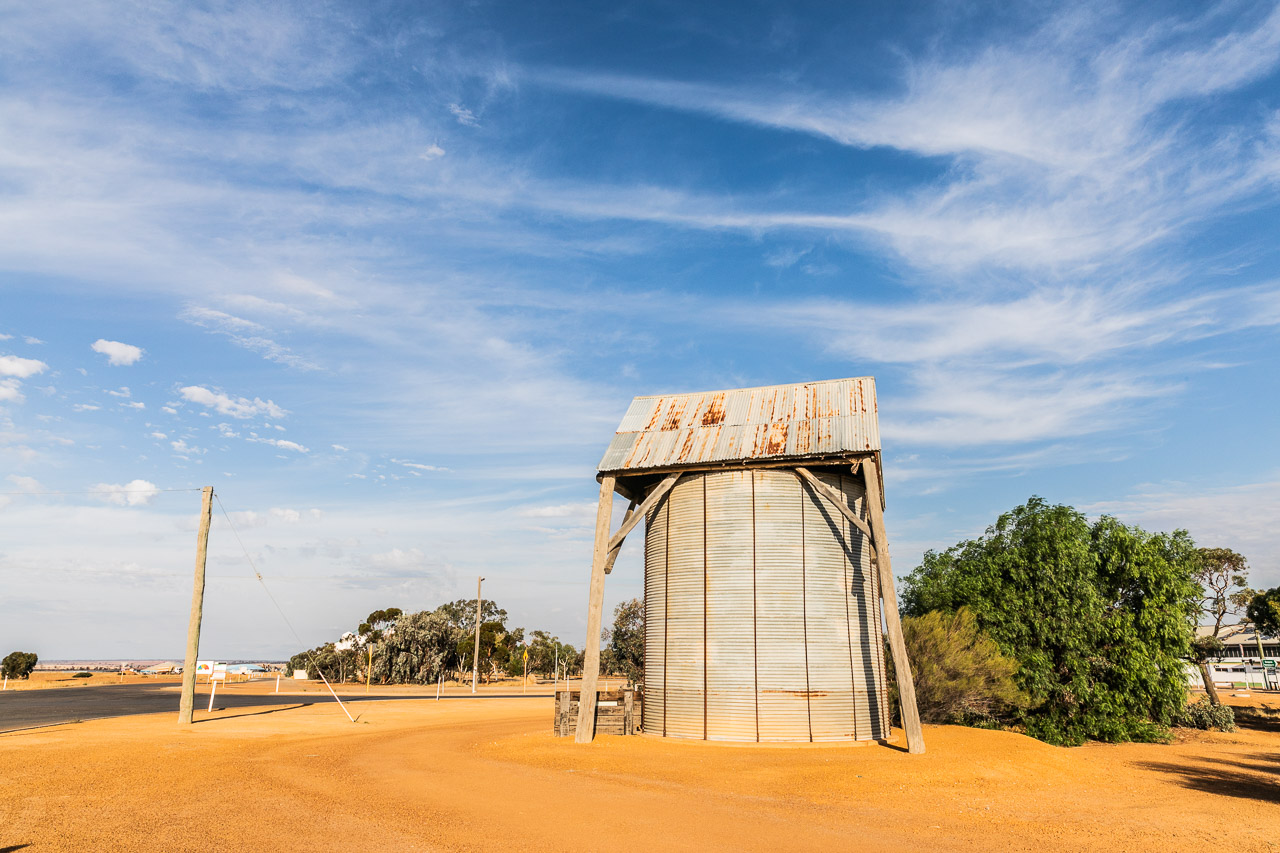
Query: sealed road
24,709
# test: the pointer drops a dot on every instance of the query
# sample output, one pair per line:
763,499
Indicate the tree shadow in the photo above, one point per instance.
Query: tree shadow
13,847
1257,719
1256,779
248,714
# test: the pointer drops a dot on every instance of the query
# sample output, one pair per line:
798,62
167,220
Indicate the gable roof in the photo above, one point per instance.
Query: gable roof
808,420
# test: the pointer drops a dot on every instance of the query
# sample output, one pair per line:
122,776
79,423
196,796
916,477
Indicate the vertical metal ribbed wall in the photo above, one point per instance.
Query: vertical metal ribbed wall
762,618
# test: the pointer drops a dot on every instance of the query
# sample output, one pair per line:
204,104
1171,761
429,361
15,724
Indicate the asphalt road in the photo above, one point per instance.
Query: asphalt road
24,709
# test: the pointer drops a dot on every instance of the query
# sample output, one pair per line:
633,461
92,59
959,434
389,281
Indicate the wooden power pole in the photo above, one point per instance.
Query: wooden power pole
187,704
475,661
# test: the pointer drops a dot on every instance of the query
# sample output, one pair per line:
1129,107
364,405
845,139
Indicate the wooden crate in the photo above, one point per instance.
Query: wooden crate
617,712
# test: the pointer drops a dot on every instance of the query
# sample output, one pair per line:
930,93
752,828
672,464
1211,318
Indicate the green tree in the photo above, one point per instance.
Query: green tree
495,649
1099,617
371,632
18,664
420,650
463,613
1264,612
626,640
543,649
378,623
1224,576
959,672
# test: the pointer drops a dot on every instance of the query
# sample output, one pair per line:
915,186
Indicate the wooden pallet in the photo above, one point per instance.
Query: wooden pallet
617,712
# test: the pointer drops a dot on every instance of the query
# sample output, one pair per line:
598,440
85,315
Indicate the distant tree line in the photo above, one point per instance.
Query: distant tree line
423,647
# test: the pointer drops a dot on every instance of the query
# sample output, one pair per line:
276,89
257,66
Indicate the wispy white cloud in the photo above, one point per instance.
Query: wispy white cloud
236,407
1067,150
464,116
283,444
1240,517
132,493
181,448
11,391
245,333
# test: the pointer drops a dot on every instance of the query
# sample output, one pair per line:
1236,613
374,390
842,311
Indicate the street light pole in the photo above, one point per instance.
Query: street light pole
475,661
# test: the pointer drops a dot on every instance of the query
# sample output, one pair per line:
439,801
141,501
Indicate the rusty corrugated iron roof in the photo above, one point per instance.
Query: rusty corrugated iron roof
809,419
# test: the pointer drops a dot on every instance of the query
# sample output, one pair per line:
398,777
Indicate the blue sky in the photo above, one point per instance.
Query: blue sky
387,276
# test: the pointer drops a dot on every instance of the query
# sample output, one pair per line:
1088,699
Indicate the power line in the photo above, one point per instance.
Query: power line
103,492
279,609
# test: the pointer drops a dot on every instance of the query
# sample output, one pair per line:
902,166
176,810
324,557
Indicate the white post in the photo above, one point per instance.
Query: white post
277,682
439,684
6,683
213,690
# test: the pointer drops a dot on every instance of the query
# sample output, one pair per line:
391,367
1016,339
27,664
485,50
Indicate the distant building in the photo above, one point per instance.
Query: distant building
1240,642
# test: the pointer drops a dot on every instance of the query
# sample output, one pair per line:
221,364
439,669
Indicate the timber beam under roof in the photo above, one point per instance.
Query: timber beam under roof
632,486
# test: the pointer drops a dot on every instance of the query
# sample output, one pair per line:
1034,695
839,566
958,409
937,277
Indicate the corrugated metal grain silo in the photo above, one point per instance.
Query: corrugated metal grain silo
765,564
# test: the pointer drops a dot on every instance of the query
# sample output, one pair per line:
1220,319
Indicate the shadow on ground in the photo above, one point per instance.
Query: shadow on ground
1264,719
248,714
1257,778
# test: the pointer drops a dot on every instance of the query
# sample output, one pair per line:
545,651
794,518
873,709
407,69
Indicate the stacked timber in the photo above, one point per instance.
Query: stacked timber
617,712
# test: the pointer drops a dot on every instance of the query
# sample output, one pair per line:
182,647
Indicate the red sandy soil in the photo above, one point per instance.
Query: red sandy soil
487,774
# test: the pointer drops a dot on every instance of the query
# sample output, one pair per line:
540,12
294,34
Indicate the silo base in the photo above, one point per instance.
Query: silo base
762,620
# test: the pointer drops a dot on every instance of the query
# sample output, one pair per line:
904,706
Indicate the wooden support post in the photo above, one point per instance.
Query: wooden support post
629,708
187,702
595,604
892,621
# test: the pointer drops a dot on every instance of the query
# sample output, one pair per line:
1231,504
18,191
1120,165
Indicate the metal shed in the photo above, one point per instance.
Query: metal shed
767,569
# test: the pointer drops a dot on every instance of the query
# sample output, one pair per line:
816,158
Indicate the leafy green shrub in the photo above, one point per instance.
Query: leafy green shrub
83,675
959,673
1202,714
1099,617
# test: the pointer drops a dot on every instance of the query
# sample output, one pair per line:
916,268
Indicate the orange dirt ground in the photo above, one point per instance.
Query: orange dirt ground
486,774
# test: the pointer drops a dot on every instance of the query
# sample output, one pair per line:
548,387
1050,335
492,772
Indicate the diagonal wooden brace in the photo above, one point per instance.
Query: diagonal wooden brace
837,499
633,518
615,549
